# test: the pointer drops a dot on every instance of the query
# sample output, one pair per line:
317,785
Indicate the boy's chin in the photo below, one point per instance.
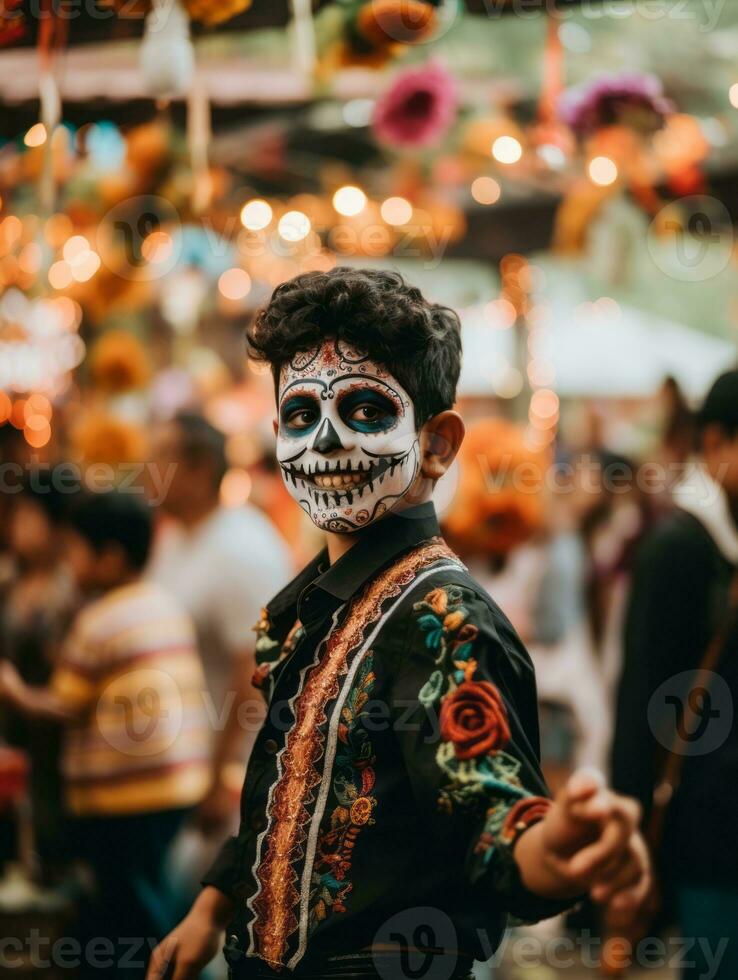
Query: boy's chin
352,521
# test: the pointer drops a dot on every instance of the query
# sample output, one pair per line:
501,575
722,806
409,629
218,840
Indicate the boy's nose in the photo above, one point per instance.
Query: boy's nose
327,440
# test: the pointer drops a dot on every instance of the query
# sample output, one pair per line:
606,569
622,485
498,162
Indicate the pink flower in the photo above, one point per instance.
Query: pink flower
629,99
418,108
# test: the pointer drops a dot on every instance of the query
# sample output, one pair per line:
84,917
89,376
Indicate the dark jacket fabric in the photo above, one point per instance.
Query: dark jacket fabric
679,597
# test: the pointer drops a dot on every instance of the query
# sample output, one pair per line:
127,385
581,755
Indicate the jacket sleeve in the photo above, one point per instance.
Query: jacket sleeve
471,746
224,871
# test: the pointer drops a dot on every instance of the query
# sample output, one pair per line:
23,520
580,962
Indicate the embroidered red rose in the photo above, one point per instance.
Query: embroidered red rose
474,718
522,815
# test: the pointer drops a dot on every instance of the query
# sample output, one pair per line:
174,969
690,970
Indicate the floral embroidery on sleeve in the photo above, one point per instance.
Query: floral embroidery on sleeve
479,772
353,782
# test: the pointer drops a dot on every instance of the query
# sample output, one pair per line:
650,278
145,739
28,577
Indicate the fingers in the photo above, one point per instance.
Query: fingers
605,805
626,901
621,876
582,785
618,818
162,959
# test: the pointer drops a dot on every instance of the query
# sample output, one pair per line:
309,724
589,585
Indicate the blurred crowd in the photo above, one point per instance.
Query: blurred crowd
126,650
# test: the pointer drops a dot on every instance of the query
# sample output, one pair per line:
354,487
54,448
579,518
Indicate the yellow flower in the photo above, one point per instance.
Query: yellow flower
100,438
454,620
118,363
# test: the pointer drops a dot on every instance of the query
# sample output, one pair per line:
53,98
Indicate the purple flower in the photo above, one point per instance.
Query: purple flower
418,108
630,99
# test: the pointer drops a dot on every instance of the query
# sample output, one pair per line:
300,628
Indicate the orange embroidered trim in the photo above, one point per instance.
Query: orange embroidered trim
274,905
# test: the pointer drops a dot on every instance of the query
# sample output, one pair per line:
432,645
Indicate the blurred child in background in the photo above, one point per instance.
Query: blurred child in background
128,687
35,613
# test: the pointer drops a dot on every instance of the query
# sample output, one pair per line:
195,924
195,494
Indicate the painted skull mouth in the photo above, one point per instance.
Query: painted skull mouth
332,481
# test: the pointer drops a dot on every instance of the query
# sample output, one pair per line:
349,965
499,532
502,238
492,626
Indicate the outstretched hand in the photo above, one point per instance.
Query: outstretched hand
589,843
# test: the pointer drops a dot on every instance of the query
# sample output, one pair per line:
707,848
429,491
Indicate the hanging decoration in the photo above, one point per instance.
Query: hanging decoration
418,108
370,33
167,57
632,100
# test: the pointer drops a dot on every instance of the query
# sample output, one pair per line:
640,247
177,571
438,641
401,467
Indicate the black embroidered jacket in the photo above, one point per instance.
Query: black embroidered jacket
397,766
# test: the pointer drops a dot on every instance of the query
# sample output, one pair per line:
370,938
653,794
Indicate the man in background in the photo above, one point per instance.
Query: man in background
223,564
680,601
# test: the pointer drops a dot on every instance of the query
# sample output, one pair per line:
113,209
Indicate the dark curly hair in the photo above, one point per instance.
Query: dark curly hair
375,311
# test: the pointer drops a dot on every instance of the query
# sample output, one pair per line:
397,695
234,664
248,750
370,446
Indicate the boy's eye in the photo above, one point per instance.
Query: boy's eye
367,413
301,418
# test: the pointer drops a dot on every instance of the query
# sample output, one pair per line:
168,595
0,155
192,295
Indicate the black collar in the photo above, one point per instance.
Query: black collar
375,548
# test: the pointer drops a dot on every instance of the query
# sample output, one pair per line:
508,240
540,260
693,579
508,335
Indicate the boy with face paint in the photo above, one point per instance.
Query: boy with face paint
393,812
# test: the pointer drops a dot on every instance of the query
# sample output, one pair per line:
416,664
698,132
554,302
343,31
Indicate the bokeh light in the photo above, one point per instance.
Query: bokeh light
256,215
507,149
294,226
349,200
396,211
602,171
235,284
485,190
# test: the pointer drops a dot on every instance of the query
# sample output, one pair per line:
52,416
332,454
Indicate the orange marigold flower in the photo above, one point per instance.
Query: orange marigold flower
118,363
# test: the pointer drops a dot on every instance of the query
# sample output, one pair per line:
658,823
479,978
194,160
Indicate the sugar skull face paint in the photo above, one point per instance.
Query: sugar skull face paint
347,442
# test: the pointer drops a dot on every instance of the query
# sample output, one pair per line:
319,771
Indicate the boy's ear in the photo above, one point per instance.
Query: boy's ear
440,439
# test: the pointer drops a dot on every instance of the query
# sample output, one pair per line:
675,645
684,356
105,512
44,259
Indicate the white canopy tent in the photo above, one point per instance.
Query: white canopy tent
596,349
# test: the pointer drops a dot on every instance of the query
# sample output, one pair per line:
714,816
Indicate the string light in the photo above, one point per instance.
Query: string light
85,266
60,275
75,246
29,260
37,431
256,215
234,284
602,171
349,200
294,226
157,247
485,190
733,95
506,149
511,384
544,407
396,211
501,313
38,405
